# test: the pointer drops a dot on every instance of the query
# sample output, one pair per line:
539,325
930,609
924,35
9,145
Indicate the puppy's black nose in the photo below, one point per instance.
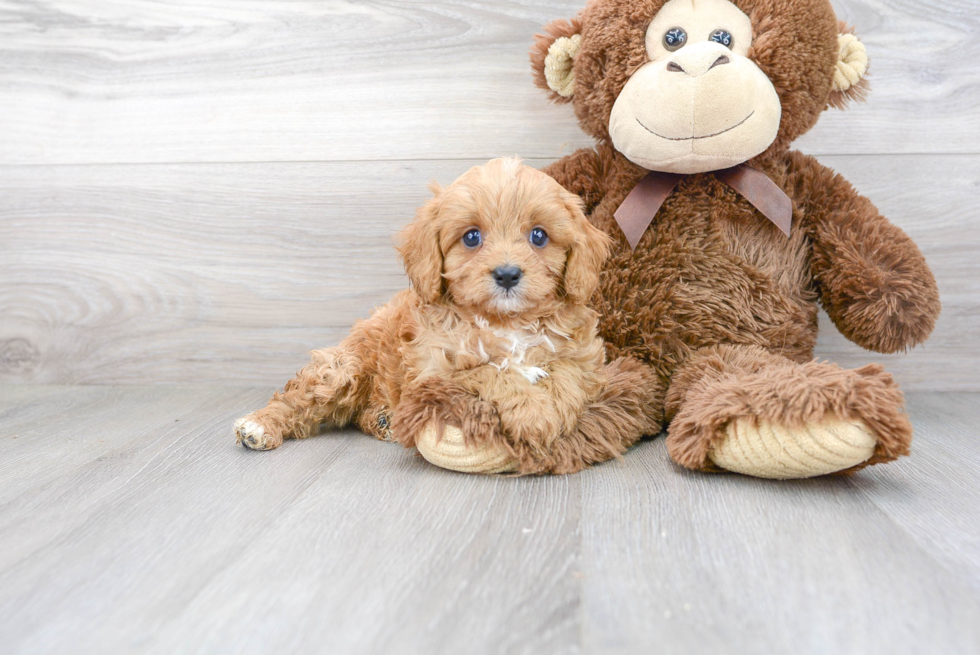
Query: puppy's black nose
507,276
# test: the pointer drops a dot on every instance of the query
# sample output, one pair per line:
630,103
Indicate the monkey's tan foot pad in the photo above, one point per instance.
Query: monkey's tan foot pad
252,435
767,450
451,452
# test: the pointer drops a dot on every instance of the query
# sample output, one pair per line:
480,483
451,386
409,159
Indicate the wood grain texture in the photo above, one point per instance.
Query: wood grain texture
729,564
928,495
129,253
132,523
117,81
170,538
233,272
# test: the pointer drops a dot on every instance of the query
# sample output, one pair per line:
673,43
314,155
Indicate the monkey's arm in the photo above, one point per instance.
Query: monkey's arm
583,173
872,279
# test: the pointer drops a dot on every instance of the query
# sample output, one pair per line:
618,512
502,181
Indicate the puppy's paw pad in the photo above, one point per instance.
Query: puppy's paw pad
252,435
769,450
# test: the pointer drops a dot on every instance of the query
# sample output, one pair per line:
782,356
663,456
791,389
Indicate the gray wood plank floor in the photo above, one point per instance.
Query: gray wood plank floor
130,522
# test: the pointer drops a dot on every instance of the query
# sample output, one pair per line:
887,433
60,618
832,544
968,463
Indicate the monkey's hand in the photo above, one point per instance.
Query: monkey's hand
872,279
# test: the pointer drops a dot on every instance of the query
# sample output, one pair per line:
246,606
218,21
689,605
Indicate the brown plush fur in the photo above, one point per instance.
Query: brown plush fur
522,368
714,298
719,384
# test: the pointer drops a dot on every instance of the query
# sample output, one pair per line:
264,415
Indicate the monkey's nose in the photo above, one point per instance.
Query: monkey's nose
721,60
507,277
697,64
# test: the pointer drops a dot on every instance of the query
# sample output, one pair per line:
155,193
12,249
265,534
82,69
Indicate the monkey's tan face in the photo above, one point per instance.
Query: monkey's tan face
700,104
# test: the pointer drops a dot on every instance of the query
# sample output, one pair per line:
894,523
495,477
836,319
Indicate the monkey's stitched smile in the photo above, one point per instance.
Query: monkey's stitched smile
689,138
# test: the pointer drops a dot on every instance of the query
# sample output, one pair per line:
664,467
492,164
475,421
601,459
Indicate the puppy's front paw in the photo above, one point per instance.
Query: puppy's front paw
249,433
433,400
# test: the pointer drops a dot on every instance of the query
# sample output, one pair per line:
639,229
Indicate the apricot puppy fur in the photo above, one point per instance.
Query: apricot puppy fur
494,337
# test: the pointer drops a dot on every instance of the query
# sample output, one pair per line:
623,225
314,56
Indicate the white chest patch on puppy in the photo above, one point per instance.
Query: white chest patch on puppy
518,343
533,373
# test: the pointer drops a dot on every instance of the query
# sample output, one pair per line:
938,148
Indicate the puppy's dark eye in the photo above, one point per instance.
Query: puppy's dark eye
723,37
472,239
675,38
538,238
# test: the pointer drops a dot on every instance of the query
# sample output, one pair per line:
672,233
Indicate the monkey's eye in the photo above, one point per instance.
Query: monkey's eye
675,38
538,237
723,37
472,238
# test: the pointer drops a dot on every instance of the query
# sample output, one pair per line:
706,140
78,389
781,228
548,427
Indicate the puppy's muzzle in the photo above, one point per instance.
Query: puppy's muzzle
507,277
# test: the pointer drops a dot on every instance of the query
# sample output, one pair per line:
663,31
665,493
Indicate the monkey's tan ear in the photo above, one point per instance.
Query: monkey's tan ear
850,81
553,56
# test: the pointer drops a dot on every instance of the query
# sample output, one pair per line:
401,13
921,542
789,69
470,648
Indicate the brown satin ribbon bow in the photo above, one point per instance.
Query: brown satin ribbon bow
643,202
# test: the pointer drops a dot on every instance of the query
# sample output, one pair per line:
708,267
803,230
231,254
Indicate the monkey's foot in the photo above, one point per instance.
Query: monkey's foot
768,450
742,409
451,452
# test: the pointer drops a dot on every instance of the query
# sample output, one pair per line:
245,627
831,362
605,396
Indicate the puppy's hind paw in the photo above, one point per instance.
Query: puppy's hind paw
252,435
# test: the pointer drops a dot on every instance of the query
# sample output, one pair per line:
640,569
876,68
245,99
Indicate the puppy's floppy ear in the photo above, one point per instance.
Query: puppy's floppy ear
418,245
586,255
552,58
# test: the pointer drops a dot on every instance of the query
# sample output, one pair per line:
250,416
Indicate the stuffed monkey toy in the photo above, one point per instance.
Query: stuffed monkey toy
725,239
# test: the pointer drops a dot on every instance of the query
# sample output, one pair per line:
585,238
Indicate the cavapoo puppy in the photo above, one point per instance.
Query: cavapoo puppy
494,341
